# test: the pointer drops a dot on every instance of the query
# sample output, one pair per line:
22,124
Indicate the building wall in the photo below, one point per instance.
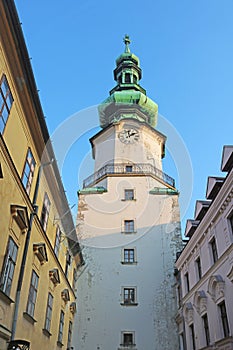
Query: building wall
26,129
208,291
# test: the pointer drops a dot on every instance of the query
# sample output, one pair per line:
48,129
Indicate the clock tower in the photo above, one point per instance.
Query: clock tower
129,225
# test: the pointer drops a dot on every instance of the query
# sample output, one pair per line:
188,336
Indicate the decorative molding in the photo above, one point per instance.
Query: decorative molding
20,215
200,301
54,276
65,295
230,274
73,307
188,312
39,250
216,287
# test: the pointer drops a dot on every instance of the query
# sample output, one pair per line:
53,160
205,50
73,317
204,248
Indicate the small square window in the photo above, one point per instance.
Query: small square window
129,226
128,339
129,256
129,168
129,195
129,296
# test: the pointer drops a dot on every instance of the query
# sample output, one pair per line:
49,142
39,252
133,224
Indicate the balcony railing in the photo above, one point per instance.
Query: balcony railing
123,168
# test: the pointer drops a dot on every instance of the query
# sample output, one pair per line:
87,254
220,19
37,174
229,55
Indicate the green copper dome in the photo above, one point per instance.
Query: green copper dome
127,99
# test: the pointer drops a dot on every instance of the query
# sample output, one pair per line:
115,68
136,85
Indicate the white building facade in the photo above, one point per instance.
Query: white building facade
205,267
129,225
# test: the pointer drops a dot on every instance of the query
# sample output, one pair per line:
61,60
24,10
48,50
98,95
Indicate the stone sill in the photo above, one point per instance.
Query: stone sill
5,298
29,318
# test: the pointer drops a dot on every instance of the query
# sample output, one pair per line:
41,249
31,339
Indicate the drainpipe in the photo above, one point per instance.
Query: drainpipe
25,252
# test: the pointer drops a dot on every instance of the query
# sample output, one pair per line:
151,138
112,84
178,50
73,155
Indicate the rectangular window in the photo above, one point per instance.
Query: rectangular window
129,226
61,326
75,278
192,337
206,329
129,295
129,256
231,222
45,212
32,294
186,277
214,250
8,267
6,101
68,262
223,313
48,316
69,335
129,168
198,268
57,241
28,171
129,195
128,339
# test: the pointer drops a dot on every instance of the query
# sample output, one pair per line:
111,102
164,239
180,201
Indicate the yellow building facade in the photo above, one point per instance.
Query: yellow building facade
39,253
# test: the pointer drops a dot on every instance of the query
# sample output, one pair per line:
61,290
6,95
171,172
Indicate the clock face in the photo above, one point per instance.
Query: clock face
129,135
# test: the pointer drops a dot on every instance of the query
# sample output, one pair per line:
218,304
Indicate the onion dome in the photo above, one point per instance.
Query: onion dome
127,99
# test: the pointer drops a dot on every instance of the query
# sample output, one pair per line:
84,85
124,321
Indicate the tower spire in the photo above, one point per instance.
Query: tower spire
127,41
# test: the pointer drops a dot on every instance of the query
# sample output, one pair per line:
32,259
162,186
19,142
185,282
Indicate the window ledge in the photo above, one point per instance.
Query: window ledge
129,263
5,298
129,200
46,332
29,318
59,344
128,233
129,304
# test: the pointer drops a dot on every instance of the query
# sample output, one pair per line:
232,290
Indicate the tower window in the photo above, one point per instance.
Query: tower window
128,339
129,168
129,256
135,81
129,195
129,226
129,296
127,78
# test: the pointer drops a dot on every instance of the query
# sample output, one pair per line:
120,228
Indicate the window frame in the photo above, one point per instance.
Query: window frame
186,279
69,337
192,336
68,262
127,196
5,97
224,318
214,250
131,258
123,340
45,211
129,226
32,294
28,171
49,310
8,267
198,268
61,326
129,296
206,329
57,241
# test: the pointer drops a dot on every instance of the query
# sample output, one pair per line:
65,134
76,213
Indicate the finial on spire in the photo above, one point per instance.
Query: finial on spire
127,42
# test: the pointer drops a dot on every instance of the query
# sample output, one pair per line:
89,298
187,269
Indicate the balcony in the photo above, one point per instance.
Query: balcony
128,170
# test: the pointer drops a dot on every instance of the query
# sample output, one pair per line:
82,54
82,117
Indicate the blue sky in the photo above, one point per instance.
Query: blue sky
186,54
